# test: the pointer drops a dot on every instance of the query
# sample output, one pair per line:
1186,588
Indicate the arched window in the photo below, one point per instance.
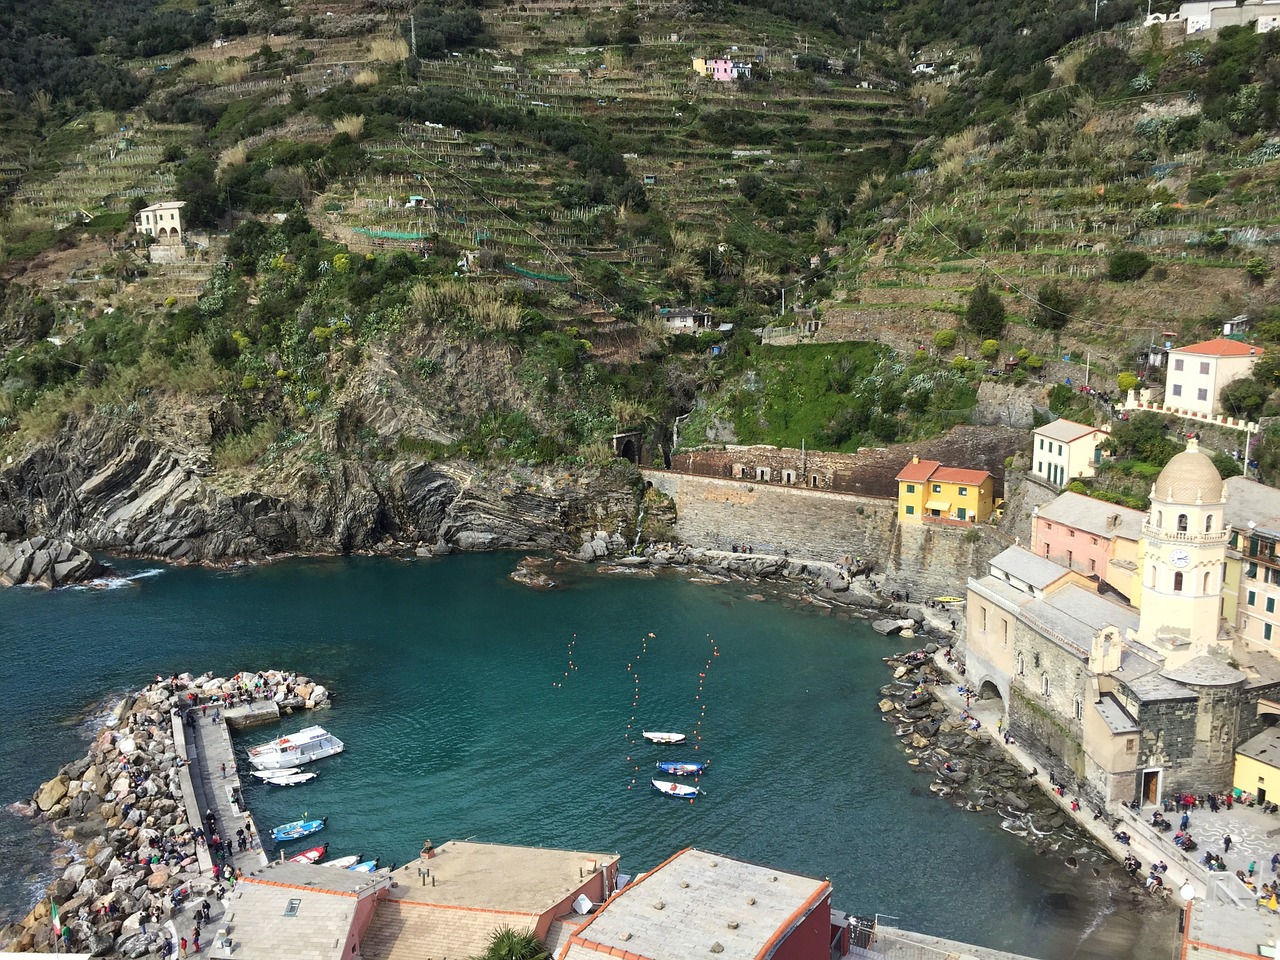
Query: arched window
1177,583
1151,576
1159,518
1208,524
1182,523
1205,589
1044,684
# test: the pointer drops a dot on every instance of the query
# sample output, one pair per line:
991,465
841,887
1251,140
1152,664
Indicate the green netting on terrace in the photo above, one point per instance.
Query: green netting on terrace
392,234
553,277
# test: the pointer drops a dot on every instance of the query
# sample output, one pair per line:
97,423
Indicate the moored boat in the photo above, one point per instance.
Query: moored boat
342,863
673,789
271,774
681,768
367,866
298,829
288,779
314,855
308,744
659,737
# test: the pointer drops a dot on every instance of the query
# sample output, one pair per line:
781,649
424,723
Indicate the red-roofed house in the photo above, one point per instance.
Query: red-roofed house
1198,373
929,491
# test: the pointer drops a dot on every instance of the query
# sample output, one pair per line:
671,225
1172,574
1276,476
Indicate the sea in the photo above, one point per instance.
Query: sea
473,707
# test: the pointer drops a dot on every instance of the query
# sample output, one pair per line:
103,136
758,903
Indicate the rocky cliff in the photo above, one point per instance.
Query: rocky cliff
148,487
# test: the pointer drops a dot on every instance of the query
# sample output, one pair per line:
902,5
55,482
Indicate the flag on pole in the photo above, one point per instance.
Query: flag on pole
57,924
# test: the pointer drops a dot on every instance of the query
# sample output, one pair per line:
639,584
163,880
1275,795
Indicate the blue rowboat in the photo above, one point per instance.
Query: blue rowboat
681,768
298,829
367,867
672,789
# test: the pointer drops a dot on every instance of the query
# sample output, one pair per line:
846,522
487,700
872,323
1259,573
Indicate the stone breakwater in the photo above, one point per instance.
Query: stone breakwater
122,807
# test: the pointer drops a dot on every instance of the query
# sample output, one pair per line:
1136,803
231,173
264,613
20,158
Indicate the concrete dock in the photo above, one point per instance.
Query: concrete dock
216,785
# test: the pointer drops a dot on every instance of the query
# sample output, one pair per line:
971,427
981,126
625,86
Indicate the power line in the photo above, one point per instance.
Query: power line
1009,283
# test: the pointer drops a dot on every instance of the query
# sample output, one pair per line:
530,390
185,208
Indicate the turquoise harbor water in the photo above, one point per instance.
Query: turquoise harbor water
452,696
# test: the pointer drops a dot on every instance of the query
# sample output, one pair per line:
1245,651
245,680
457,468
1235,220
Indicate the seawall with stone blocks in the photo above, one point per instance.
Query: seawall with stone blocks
924,559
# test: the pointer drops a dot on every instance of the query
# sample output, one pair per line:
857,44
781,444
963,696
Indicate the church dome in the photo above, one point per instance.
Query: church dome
1190,477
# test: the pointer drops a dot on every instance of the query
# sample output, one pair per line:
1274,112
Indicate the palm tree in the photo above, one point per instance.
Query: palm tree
509,944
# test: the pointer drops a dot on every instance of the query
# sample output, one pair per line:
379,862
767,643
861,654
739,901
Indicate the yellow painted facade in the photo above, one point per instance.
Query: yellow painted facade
1254,777
934,498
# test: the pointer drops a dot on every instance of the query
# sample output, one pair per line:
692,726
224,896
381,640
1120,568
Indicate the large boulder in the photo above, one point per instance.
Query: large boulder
47,797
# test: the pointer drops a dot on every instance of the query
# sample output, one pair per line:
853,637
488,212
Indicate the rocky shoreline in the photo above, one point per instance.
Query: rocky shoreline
971,770
42,562
121,806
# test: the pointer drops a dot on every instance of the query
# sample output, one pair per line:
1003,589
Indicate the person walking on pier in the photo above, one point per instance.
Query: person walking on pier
1226,843
182,948
224,771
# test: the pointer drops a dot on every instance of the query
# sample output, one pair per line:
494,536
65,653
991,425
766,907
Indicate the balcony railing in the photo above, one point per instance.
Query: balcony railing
1185,536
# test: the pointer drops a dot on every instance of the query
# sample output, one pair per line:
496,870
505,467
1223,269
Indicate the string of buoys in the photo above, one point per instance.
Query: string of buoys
572,667
702,704
633,668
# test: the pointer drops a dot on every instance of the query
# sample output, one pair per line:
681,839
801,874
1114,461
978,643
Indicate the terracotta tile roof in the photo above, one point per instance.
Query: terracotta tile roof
958,475
1221,347
918,472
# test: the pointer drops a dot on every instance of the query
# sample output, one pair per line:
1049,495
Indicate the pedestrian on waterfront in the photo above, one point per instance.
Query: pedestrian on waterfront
1226,843
195,941
1275,863
182,948
204,709
1184,822
1253,865
224,771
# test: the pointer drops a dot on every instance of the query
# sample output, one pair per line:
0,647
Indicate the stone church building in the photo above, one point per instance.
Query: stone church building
1135,695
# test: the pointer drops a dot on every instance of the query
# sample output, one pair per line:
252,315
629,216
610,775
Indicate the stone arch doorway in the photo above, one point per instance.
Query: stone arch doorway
987,690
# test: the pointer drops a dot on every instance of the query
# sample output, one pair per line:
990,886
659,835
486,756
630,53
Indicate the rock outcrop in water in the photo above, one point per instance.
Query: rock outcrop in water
45,563
105,483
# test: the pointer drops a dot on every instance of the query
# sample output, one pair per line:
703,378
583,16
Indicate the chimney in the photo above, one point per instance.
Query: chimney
428,850
915,459
1113,521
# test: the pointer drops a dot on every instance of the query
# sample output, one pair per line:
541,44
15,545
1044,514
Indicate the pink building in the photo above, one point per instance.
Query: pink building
721,69
1092,537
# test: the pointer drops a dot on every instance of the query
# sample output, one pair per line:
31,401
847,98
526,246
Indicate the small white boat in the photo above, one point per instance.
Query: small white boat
308,744
658,737
673,789
367,867
342,863
289,779
272,774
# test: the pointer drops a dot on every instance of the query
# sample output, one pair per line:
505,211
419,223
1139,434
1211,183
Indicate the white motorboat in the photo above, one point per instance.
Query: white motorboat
342,863
289,779
308,744
272,774
658,737
684,791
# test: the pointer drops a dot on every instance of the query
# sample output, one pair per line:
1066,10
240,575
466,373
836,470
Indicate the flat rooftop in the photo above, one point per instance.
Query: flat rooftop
685,906
492,876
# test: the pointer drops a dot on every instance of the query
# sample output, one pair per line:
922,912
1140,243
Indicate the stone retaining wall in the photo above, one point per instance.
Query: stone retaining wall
921,559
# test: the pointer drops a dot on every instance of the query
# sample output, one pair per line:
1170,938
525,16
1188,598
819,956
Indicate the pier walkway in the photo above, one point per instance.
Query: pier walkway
216,786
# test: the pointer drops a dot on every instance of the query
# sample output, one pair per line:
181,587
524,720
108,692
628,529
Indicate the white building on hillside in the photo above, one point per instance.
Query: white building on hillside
1063,451
1197,374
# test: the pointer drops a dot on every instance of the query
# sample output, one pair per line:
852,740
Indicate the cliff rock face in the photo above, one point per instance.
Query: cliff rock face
149,489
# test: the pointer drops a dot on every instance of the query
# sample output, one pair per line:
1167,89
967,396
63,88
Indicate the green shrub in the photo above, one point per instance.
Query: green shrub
945,339
1126,265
